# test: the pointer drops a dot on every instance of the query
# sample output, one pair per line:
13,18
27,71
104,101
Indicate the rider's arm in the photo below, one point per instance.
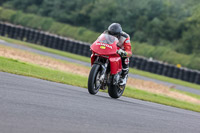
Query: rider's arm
127,47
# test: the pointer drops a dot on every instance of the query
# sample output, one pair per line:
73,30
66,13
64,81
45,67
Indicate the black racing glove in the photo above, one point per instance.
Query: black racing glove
122,53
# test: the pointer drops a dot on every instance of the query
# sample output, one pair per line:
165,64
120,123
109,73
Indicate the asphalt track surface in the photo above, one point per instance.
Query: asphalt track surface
179,87
30,105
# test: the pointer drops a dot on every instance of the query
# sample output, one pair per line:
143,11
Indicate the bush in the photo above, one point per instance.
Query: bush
6,14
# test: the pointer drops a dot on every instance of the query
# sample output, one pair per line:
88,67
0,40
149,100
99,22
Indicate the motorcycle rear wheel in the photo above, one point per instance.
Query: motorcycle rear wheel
93,80
115,91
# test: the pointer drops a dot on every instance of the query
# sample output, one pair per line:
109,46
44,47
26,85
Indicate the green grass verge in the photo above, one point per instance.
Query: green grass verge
147,96
87,59
187,93
26,69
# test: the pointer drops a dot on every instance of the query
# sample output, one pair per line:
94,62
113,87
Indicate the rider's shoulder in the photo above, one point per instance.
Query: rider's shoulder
105,32
126,35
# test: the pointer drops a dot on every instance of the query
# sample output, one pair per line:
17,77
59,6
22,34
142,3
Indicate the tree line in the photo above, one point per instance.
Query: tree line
170,23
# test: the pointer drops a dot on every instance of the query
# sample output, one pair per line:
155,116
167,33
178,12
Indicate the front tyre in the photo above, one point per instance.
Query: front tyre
115,91
93,80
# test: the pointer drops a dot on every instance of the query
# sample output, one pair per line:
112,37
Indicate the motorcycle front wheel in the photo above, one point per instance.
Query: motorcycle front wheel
94,79
115,91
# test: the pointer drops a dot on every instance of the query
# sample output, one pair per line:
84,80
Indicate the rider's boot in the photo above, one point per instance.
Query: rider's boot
124,76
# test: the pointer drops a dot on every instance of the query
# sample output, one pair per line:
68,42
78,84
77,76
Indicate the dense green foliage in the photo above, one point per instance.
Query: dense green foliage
47,24
81,33
158,22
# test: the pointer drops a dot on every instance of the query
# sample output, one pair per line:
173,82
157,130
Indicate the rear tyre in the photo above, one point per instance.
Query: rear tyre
115,91
93,80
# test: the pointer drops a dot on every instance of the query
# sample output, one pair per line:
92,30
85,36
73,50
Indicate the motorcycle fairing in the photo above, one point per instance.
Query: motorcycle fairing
115,64
106,46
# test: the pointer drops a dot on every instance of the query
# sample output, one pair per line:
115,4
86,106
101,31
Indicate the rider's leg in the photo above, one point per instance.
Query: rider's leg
125,70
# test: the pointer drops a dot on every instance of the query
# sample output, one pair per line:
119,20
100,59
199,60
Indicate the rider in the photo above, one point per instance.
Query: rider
124,44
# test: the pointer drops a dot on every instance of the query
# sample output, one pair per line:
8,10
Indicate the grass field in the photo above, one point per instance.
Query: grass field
27,69
86,59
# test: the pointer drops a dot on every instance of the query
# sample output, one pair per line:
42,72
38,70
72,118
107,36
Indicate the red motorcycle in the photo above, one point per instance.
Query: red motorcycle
106,66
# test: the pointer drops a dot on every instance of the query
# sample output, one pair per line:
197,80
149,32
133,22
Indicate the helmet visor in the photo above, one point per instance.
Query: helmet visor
113,33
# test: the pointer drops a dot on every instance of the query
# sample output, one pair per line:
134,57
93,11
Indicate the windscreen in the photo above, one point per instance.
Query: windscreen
107,39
